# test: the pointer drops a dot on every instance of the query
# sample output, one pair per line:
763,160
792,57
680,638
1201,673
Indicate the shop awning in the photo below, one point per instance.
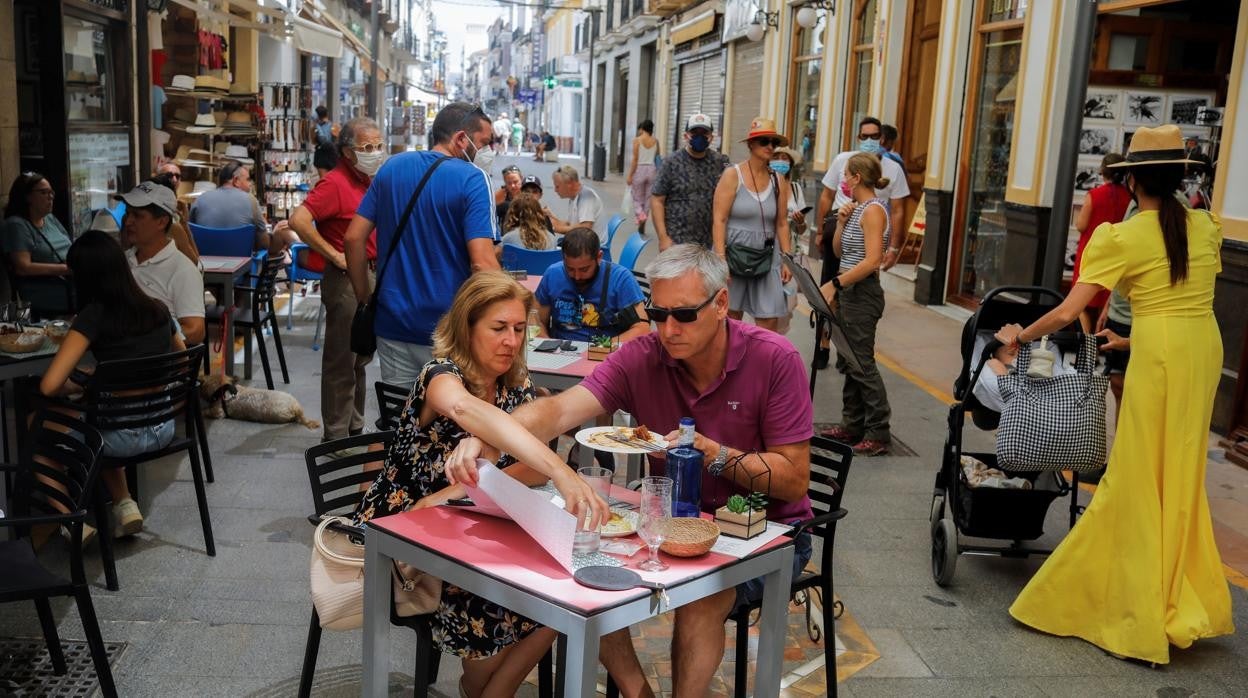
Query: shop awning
693,28
317,39
323,16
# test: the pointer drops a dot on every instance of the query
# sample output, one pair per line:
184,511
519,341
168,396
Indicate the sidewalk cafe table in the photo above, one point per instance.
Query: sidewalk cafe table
13,367
496,560
225,271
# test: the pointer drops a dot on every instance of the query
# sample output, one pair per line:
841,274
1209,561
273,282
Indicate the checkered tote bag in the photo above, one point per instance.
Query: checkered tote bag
1053,423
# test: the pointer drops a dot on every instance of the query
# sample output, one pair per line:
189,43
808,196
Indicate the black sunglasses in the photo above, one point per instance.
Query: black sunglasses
869,136
773,142
511,168
685,314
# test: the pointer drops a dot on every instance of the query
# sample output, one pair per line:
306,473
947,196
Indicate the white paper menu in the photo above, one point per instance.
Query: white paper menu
499,494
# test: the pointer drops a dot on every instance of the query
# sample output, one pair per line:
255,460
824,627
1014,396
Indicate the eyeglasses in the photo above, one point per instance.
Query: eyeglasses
369,147
768,142
685,314
869,136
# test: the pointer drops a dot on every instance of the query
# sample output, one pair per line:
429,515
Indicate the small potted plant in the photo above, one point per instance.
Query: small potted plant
600,346
743,517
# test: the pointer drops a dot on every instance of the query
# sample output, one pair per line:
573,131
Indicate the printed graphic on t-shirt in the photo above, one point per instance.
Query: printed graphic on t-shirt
575,314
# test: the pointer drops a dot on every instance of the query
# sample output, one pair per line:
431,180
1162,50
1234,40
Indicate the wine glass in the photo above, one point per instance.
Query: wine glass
655,511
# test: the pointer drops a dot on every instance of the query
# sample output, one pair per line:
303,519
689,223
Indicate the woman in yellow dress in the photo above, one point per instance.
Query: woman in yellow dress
1141,570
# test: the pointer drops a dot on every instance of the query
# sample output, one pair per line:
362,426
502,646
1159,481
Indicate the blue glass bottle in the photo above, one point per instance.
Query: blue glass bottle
684,467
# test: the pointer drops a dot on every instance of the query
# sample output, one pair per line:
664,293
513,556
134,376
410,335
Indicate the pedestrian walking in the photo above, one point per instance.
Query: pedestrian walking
855,294
1106,203
517,135
449,235
684,189
786,163
751,228
1141,571
641,173
321,222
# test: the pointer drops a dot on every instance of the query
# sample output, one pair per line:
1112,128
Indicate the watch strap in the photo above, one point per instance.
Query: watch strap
721,459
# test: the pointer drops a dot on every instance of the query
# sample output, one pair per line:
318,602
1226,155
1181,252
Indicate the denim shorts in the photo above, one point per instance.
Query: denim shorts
122,443
751,591
401,362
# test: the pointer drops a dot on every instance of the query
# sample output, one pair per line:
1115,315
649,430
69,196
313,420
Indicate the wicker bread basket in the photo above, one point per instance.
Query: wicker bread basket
21,342
689,537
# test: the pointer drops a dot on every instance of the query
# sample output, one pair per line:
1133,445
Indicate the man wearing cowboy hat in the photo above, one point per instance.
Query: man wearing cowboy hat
680,201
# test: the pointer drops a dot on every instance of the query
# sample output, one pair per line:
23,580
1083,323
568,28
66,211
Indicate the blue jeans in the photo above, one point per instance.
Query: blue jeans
751,591
120,443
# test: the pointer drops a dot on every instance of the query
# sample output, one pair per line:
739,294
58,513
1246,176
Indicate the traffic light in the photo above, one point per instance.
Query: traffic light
550,82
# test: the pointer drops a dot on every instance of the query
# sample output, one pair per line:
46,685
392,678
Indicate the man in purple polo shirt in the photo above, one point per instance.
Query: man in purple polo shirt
746,389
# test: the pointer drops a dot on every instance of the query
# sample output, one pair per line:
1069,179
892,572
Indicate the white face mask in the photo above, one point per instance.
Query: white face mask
369,163
483,158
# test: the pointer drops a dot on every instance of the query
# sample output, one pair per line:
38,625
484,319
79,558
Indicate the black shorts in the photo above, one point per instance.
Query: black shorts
1116,360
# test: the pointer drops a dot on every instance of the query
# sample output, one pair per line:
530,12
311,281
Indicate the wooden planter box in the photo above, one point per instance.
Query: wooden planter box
746,525
598,353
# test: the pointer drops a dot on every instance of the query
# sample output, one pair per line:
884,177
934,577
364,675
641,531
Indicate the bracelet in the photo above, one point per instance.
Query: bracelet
836,283
894,250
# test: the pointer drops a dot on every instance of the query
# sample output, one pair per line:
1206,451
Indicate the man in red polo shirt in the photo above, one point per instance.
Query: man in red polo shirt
746,389
321,222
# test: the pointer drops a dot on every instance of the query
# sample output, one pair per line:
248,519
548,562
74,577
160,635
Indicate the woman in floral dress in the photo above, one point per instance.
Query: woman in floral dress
478,375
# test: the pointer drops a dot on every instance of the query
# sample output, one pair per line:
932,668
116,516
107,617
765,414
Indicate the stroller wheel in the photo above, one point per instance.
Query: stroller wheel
944,551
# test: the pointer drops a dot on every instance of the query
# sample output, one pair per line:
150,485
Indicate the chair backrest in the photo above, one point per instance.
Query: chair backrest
224,242
633,247
266,284
118,213
532,261
57,466
829,468
390,401
299,273
643,282
143,392
336,481
613,226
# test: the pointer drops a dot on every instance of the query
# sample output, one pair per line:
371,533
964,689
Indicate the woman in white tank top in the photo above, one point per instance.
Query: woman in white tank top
641,173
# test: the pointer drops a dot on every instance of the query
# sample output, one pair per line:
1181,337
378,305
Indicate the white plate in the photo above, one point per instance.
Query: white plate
584,437
629,528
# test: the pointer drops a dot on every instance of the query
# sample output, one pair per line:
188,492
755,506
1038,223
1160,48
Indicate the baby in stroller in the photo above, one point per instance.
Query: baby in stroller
986,389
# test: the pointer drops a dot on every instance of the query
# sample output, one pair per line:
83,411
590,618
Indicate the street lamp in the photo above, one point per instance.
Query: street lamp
762,20
807,17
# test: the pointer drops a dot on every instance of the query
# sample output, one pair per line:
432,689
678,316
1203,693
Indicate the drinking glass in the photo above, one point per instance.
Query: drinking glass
654,512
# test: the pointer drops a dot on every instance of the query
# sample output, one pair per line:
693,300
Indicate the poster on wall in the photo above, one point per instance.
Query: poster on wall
1103,106
1097,140
1184,109
1087,177
1127,133
1144,108
96,161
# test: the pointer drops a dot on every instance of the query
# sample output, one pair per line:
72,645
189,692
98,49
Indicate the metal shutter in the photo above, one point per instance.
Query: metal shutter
747,91
712,102
690,91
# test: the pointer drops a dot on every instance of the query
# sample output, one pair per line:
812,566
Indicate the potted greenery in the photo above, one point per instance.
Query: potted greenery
600,346
743,517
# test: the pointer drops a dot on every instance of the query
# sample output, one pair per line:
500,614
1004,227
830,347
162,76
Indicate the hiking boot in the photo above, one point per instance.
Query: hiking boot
129,519
840,433
870,447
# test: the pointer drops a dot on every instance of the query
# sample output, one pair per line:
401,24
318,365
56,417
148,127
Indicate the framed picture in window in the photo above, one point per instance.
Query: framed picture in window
1102,106
1183,109
1143,108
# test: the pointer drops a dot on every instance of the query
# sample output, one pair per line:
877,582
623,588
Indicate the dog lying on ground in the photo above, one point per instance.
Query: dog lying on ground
223,398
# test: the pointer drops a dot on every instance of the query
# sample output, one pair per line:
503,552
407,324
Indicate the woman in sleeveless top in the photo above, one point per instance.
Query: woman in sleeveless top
641,173
751,211
1106,203
858,301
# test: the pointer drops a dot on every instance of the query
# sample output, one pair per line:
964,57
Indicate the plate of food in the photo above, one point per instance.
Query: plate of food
623,523
16,341
621,439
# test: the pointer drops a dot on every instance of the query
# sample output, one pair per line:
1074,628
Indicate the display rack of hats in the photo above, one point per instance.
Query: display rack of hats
220,113
287,147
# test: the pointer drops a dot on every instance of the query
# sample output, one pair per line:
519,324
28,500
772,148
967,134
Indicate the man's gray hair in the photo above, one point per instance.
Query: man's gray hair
568,173
678,260
351,130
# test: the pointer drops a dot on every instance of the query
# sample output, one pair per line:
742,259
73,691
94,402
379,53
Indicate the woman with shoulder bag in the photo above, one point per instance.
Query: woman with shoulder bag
477,376
750,228
858,301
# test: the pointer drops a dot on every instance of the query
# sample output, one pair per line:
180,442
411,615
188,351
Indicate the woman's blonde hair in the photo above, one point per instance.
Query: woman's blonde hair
867,166
525,214
452,338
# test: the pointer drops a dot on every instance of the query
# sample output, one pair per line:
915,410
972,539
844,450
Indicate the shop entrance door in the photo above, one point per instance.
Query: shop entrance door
915,111
620,137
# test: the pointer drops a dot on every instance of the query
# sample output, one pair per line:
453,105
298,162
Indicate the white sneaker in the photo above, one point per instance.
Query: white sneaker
128,518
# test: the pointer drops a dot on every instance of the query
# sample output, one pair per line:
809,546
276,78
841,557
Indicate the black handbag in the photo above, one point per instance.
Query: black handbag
745,262
363,331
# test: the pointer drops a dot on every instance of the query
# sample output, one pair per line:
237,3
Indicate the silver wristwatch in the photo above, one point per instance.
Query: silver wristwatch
721,459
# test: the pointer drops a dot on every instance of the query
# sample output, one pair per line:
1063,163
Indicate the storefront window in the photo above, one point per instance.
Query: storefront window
90,84
1004,10
860,66
808,69
984,244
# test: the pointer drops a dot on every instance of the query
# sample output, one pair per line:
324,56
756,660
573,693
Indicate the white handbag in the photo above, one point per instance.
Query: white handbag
337,580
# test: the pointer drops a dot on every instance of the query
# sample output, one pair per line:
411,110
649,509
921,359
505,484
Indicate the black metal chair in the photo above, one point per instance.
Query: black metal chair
336,491
390,401
140,393
262,290
829,468
56,470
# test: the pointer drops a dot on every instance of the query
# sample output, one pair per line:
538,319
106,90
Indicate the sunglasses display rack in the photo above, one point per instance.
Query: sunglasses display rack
286,135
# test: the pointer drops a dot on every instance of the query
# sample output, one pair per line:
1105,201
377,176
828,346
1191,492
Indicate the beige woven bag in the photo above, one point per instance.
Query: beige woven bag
337,580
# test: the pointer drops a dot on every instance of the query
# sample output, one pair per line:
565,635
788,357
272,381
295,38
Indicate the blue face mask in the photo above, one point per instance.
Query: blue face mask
780,167
870,145
699,142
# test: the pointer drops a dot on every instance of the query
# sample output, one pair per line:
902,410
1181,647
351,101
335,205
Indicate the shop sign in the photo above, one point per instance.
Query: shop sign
114,5
527,96
571,82
535,59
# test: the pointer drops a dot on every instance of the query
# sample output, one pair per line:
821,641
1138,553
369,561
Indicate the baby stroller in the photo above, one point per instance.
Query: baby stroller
1014,515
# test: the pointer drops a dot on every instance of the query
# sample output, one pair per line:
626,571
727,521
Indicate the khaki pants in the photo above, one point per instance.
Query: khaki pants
344,385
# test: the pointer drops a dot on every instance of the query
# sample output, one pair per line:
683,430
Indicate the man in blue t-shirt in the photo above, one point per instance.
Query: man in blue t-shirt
584,296
449,235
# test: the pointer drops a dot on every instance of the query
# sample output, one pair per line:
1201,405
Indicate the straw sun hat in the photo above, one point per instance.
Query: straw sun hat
764,128
1156,146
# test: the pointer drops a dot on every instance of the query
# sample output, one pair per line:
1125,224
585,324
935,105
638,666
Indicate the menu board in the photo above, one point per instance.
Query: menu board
96,162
